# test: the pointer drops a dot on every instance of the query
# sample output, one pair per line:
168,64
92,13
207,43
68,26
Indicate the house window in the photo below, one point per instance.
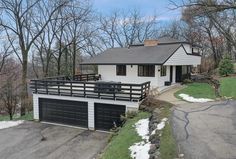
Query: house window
146,70
163,70
121,70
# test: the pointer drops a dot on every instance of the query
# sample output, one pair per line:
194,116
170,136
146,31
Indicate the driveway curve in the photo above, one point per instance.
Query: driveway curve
206,130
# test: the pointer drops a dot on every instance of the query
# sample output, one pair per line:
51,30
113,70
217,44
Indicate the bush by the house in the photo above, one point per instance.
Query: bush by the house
226,66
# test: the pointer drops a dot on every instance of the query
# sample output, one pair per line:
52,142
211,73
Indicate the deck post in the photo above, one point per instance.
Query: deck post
130,93
84,89
71,91
46,83
142,92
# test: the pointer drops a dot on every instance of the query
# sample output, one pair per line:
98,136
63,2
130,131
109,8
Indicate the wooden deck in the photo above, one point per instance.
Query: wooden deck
88,89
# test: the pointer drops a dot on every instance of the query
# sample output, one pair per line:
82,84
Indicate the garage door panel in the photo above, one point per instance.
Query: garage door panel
64,112
107,114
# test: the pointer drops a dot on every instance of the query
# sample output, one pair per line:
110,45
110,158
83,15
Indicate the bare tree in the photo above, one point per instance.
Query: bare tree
126,28
17,17
9,87
220,15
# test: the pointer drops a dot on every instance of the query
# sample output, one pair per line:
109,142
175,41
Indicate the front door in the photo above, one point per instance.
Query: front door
171,73
178,77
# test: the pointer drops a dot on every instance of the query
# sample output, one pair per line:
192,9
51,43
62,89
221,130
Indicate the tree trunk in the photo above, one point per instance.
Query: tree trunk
74,58
24,91
11,116
59,66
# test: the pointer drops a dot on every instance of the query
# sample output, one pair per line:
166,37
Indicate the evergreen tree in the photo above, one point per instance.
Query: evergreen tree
226,66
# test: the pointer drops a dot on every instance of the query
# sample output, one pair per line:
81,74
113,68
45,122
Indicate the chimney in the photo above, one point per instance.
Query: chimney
151,42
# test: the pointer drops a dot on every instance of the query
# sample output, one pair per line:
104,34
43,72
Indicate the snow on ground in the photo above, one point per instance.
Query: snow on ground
8,124
160,126
142,128
194,100
140,150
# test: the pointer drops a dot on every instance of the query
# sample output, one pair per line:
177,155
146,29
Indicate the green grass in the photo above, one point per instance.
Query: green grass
228,87
168,148
198,90
118,148
28,116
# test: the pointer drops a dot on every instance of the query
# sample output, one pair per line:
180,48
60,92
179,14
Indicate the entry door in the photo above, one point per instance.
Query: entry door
171,73
64,112
178,77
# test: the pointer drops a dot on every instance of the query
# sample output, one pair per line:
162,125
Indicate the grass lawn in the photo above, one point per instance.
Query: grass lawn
118,148
198,90
168,148
228,87
28,116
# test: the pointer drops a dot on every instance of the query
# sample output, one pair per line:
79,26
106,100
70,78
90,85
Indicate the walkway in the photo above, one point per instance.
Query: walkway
168,96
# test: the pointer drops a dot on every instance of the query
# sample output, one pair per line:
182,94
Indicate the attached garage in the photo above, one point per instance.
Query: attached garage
106,115
63,112
94,114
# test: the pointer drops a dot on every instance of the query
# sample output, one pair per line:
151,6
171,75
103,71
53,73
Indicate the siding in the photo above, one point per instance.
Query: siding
129,105
181,58
108,73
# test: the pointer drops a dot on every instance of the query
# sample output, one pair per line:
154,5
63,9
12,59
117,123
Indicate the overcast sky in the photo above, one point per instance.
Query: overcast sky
147,7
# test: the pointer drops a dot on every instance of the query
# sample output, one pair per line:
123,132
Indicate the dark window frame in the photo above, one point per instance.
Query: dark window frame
163,71
121,70
146,70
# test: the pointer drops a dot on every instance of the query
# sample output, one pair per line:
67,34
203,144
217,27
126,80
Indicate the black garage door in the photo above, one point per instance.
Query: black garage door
107,114
64,112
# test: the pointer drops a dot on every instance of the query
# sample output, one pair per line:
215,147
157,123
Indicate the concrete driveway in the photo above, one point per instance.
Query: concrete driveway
25,141
207,130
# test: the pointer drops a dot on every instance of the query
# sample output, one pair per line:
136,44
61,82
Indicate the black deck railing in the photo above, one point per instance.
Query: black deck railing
81,77
87,89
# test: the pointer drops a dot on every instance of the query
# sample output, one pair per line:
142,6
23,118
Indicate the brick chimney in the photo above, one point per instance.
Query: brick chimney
151,42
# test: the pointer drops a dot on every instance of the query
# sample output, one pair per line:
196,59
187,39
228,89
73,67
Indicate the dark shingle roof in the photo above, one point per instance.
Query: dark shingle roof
135,55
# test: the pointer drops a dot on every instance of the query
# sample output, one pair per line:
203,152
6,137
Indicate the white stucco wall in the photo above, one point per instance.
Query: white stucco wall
91,123
181,58
108,73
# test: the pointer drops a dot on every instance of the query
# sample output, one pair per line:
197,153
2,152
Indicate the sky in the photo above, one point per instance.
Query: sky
147,7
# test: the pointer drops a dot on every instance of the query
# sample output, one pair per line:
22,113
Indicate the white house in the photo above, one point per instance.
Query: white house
126,74
163,62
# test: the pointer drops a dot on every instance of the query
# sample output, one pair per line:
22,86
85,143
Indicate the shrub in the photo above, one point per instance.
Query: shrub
226,66
186,81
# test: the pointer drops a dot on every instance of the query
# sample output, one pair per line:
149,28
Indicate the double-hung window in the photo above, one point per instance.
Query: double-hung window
121,70
163,70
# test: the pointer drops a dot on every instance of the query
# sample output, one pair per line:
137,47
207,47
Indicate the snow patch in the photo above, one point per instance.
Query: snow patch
8,124
140,150
194,100
142,128
160,126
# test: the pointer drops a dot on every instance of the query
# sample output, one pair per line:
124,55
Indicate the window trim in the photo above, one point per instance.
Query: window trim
163,71
147,66
123,69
